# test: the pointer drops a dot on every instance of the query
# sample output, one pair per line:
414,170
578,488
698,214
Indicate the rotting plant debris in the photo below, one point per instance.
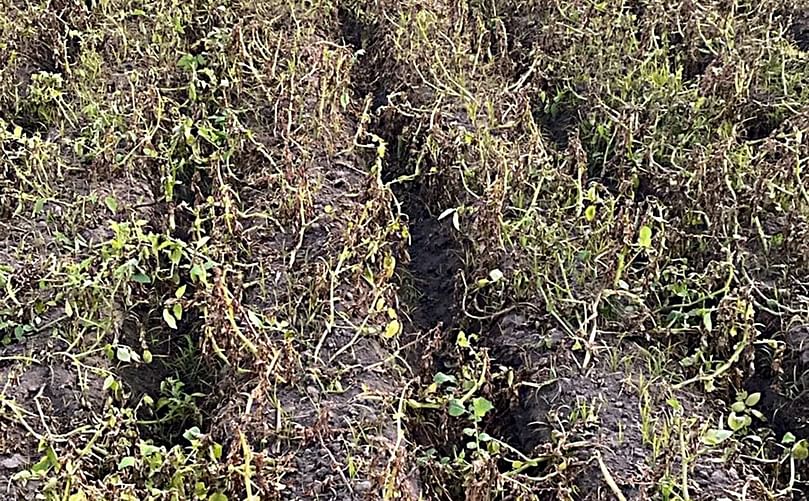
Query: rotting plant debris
445,249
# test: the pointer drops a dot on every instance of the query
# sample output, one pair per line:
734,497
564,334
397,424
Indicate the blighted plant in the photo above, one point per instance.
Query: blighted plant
444,249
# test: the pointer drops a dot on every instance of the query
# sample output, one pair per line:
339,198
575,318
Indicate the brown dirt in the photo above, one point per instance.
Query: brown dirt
784,386
300,234
561,407
800,28
54,397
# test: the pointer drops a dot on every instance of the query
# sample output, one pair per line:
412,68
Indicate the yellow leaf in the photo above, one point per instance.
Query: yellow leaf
645,237
590,212
389,265
392,329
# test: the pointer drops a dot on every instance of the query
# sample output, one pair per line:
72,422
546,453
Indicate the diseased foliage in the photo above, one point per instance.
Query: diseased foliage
453,249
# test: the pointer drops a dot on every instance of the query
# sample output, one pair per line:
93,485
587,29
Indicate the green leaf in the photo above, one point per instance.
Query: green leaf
147,450
752,399
177,309
217,496
758,414
147,356
78,496
111,203
126,462
456,408
200,489
176,255
123,354
788,438
42,466
481,406
187,62
800,450
198,273
707,321
169,319
142,278
645,237
192,433
441,378
180,291
716,437
254,319
39,205
737,422
51,455
738,407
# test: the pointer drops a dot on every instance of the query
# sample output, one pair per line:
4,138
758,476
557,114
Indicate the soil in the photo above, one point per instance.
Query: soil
800,29
553,388
42,385
313,310
434,263
785,389
598,410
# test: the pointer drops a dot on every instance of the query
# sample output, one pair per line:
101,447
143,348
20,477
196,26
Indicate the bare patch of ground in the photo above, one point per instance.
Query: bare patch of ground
48,398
